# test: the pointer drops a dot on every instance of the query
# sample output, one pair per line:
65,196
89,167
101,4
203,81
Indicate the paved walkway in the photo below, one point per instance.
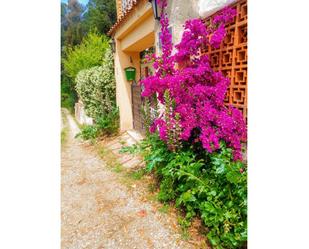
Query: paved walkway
98,211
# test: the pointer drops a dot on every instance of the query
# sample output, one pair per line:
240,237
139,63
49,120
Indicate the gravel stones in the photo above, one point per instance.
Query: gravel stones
99,212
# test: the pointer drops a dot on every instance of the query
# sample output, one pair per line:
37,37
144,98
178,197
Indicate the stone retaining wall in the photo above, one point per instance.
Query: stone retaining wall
80,114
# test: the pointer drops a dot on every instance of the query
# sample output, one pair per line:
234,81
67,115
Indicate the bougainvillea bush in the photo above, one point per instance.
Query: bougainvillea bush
195,88
194,143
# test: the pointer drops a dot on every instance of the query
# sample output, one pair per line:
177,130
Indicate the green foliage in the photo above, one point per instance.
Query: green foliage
146,115
117,167
173,126
64,23
104,125
88,132
153,149
64,135
96,88
71,23
211,186
214,188
110,158
109,123
82,42
68,96
133,149
137,174
86,55
156,153
100,14
78,20
164,209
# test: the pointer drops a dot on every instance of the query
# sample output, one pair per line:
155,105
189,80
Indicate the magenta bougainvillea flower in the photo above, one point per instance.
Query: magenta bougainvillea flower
197,90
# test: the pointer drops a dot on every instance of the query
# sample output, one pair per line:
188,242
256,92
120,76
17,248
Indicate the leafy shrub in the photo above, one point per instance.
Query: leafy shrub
96,88
109,124
215,188
86,55
88,132
74,59
209,185
105,125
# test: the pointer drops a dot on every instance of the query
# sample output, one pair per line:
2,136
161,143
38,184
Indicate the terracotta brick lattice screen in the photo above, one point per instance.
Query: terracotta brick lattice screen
231,57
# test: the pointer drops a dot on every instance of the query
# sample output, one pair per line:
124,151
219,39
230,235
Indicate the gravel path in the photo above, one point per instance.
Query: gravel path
98,211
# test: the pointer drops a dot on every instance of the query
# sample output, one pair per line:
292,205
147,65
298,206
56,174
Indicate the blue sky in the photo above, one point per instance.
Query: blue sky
84,2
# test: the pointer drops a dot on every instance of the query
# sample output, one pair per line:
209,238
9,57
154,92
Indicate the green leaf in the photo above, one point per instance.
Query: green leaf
213,239
233,177
221,169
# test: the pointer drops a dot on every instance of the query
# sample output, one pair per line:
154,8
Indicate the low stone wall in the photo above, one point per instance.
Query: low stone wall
80,114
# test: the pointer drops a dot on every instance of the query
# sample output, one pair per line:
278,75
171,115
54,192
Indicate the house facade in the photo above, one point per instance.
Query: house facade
135,33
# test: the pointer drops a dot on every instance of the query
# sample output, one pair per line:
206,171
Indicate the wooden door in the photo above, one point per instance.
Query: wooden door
146,70
138,123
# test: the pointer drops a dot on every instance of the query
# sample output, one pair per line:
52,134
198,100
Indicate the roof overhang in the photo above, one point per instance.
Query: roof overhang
135,4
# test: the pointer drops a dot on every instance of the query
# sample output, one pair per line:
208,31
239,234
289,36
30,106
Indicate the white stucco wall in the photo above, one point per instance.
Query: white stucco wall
208,7
178,12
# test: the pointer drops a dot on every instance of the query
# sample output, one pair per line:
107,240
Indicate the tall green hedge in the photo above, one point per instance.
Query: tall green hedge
96,87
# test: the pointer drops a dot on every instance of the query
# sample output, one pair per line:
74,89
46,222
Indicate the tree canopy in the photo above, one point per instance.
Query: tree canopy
71,22
78,20
100,14
86,55
83,40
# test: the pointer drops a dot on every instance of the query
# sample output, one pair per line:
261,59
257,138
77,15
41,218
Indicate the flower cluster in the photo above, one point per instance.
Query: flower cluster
149,58
195,34
196,89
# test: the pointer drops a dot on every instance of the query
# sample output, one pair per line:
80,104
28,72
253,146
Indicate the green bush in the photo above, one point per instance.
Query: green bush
86,55
211,186
88,132
96,87
214,188
106,125
109,123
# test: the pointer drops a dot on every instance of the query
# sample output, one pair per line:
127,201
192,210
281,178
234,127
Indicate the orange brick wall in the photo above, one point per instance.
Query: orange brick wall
231,57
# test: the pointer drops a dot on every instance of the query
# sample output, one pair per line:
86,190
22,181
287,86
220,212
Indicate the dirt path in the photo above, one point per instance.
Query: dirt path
98,211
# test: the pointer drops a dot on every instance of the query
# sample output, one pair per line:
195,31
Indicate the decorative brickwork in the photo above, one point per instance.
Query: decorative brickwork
231,58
